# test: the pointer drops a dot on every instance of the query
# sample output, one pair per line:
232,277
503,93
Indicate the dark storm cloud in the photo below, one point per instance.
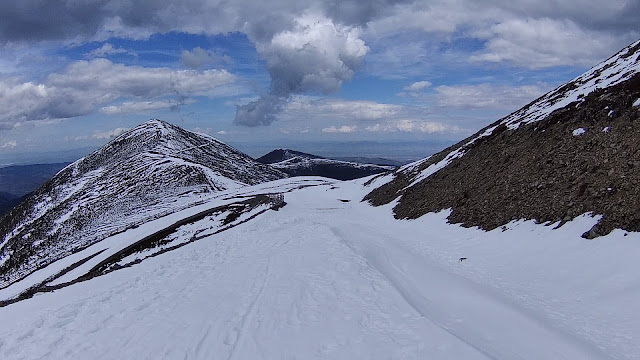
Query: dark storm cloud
33,20
617,15
358,12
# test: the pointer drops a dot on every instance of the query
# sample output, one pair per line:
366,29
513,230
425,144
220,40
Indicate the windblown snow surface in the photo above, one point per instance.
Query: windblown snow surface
327,278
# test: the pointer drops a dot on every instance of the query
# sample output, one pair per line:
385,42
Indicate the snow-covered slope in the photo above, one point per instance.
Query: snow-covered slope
573,150
330,277
147,172
296,163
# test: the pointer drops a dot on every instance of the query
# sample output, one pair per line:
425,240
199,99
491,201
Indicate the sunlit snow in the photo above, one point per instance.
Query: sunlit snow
328,276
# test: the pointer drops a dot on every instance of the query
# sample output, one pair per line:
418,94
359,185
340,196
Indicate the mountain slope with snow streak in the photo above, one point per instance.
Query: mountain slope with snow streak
147,172
572,151
328,278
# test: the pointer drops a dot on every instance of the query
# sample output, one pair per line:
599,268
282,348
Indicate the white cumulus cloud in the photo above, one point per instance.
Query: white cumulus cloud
418,86
87,86
106,49
341,129
539,43
9,145
316,55
110,134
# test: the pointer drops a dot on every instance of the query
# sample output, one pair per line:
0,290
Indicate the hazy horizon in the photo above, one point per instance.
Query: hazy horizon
392,150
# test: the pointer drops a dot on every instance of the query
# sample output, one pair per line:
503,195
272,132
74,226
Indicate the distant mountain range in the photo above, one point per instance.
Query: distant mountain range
296,163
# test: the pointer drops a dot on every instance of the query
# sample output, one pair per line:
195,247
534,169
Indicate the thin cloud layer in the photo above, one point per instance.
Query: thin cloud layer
342,129
86,86
144,106
417,126
346,117
105,50
487,96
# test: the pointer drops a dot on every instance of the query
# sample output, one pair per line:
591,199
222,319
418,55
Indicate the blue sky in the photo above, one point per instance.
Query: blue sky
302,73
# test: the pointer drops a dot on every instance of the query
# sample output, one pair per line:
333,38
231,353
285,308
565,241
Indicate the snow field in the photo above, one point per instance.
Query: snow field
325,279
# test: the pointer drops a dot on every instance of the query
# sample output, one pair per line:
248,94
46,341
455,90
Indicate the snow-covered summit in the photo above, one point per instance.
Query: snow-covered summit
145,172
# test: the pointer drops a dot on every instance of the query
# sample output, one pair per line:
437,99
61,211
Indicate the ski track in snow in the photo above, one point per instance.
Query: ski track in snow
325,279
450,310
247,318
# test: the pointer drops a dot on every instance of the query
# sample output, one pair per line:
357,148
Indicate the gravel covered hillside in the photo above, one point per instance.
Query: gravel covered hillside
574,150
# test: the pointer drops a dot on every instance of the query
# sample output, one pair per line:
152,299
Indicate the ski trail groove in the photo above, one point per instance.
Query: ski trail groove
448,296
404,291
202,340
247,319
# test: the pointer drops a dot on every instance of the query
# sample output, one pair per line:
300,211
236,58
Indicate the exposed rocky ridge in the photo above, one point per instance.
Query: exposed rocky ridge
572,151
140,175
296,163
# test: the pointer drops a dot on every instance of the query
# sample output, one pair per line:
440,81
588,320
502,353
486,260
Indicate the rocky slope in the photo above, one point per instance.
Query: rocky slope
573,150
296,163
150,171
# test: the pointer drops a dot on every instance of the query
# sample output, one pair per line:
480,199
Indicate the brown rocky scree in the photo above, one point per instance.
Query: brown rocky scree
540,171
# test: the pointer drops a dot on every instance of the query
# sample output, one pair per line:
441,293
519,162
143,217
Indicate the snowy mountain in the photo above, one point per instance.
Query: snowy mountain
574,150
296,163
147,172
